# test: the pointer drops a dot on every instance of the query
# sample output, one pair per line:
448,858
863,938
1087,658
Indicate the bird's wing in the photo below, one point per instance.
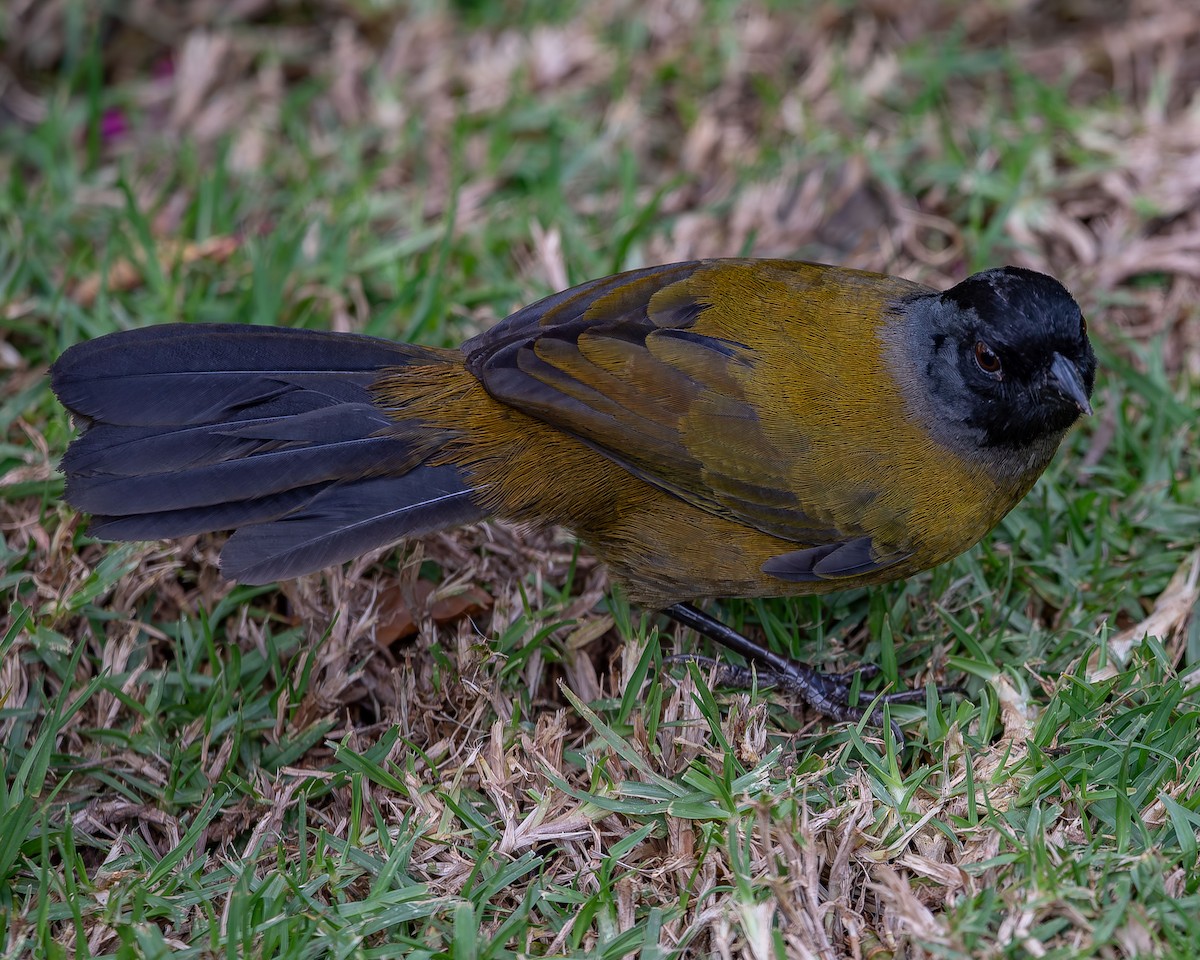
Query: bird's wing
657,370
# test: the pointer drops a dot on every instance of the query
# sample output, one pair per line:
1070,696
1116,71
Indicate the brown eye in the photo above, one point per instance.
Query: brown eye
1082,326
988,362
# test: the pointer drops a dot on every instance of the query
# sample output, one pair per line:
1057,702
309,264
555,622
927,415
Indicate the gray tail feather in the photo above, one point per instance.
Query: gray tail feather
190,428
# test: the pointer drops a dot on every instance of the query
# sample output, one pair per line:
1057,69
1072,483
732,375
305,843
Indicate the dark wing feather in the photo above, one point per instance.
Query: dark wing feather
627,366
850,558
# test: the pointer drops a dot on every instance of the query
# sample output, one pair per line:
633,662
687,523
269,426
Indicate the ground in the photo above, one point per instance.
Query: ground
471,746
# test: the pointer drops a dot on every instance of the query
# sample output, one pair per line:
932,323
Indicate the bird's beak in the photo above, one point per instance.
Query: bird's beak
1065,375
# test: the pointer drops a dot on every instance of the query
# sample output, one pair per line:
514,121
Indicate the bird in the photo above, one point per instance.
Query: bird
709,429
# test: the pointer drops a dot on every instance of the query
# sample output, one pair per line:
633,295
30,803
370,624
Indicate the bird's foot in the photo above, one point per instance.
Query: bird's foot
828,693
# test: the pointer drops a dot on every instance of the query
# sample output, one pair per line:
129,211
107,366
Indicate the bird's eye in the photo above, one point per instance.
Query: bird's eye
987,360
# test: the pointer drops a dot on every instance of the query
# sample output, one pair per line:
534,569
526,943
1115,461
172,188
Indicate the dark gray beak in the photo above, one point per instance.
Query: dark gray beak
1065,376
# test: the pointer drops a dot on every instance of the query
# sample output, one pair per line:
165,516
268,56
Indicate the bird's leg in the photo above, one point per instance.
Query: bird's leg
827,693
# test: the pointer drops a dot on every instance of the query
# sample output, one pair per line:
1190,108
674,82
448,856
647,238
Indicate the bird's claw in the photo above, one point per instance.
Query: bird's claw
827,693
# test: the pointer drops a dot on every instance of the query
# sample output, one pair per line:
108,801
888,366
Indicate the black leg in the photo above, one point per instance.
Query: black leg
827,693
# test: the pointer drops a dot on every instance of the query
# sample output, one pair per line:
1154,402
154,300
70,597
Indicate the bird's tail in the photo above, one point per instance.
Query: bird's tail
189,428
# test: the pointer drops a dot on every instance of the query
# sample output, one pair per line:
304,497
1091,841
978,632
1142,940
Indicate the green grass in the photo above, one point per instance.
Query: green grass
197,769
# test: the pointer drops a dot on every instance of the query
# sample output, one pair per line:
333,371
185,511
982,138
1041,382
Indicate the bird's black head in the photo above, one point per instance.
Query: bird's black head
1008,360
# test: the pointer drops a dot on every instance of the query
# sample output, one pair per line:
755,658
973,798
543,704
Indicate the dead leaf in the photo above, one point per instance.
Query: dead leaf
398,620
1168,618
